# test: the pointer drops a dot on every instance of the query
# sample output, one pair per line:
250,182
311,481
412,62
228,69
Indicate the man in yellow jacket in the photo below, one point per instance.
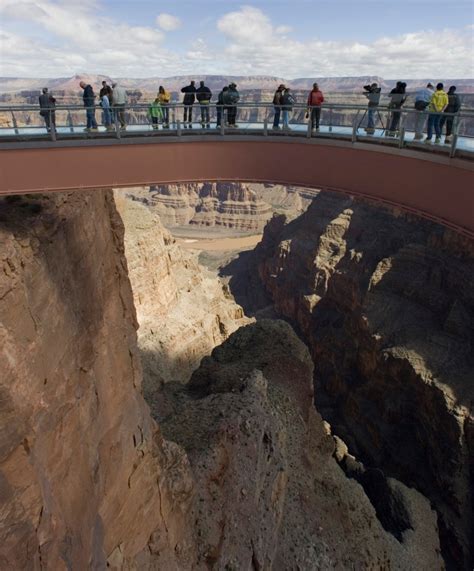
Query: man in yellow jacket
438,103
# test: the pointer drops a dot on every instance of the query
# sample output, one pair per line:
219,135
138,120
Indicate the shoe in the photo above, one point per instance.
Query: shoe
418,137
93,130
428,141
448,139
437,140
125,128
86,130
369,131
276,127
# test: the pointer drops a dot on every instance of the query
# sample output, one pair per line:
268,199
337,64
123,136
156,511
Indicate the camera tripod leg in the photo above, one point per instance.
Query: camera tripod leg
362,120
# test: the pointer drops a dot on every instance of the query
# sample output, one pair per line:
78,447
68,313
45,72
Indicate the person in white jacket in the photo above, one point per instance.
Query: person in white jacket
119,101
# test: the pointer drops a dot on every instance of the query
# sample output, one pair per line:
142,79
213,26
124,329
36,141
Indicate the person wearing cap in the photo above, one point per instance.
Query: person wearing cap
277,100
422,100
231,98
454,105
438,103
47,109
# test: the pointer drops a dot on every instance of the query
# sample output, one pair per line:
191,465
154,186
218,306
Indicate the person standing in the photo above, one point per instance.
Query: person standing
88,98
47,105
231,99
203,95
287,102
438,103
220,106
119,102
315,100
397,99
164,98
155,112
454,105
277,102
105,90
422,100
372,92
188,102
106,114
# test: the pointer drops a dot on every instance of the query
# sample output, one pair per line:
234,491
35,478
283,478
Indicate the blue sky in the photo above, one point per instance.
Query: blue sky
424,38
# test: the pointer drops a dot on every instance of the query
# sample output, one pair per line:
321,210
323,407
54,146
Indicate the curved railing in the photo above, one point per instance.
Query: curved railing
339,121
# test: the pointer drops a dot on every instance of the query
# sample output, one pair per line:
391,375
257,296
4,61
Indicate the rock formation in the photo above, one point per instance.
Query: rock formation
86,479
385,303
183,310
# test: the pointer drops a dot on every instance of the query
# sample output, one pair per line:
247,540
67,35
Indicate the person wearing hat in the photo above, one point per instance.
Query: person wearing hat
277,100
422,100
231,98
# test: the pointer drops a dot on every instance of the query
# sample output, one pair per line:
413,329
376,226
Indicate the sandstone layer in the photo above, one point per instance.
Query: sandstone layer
86,479
386,304
183,310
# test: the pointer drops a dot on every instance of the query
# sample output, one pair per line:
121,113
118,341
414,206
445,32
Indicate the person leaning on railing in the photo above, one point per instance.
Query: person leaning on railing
397,99
47,109
287,102
454,106
315,100
372,92
422,100
164,98
438,103
88,98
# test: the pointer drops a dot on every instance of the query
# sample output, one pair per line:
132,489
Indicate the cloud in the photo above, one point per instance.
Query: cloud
168,23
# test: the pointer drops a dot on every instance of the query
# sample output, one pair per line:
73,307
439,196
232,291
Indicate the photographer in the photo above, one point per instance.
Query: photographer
372,92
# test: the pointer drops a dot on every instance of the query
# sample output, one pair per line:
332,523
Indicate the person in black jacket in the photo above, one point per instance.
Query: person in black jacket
220,106
454,106
88,97
397,99
203,95
231,98
47,109
277,105
188,102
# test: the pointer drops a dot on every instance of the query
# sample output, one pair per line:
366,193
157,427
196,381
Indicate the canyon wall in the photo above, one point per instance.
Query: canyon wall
183,310
86,479
385,303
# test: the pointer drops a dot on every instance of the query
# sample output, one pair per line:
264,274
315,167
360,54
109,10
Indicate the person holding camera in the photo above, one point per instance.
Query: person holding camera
372,92
397,99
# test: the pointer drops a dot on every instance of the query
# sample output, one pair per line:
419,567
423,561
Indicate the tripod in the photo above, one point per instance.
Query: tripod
379,117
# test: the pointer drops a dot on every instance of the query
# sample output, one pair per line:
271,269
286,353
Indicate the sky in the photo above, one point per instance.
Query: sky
289,39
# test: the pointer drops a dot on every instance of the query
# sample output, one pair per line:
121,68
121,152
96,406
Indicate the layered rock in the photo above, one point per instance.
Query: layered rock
86,479
269,492
183,310
386,305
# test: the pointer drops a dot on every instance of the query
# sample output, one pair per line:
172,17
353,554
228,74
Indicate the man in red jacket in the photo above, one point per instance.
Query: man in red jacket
315,99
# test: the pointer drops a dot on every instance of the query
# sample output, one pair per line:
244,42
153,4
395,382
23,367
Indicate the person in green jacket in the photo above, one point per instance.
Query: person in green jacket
155,112
438,103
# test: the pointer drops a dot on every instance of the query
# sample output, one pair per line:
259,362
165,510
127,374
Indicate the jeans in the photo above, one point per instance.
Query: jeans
286,118
434,123
220,113
276,118
371,117
120,114
106,117
315,116
420,121
232,114
395,120
91,122
205,118
50,119
449,125
188,114
166,114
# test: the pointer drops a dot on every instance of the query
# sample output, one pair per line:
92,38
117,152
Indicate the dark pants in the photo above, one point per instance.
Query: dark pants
315,116
154,122
434,123
49,119
166,114
276,118
188,113
91,122
449,125
220,113
231,114
205,118
395,120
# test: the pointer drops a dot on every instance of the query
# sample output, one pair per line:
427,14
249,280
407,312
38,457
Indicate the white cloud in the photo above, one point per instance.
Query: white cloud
168,23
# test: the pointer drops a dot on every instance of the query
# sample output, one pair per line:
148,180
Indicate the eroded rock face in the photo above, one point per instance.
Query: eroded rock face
386,305
270,494
86,478
183,310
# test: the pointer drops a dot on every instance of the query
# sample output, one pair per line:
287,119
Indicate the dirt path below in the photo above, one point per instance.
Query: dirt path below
220,244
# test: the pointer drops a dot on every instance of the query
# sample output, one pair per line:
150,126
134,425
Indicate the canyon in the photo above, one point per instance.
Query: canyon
153,417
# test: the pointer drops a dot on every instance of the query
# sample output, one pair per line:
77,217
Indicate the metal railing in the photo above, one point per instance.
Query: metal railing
349,122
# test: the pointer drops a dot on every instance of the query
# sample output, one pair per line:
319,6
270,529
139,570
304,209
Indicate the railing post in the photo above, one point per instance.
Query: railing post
52,126
309,130
265,127
401,138
117,125
354,131
15,124
330,119
178,127
223,121
70,123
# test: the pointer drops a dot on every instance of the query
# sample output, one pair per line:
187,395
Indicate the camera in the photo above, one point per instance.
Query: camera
374,88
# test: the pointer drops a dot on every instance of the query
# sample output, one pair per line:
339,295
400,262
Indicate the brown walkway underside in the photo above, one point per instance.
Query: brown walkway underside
441,191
